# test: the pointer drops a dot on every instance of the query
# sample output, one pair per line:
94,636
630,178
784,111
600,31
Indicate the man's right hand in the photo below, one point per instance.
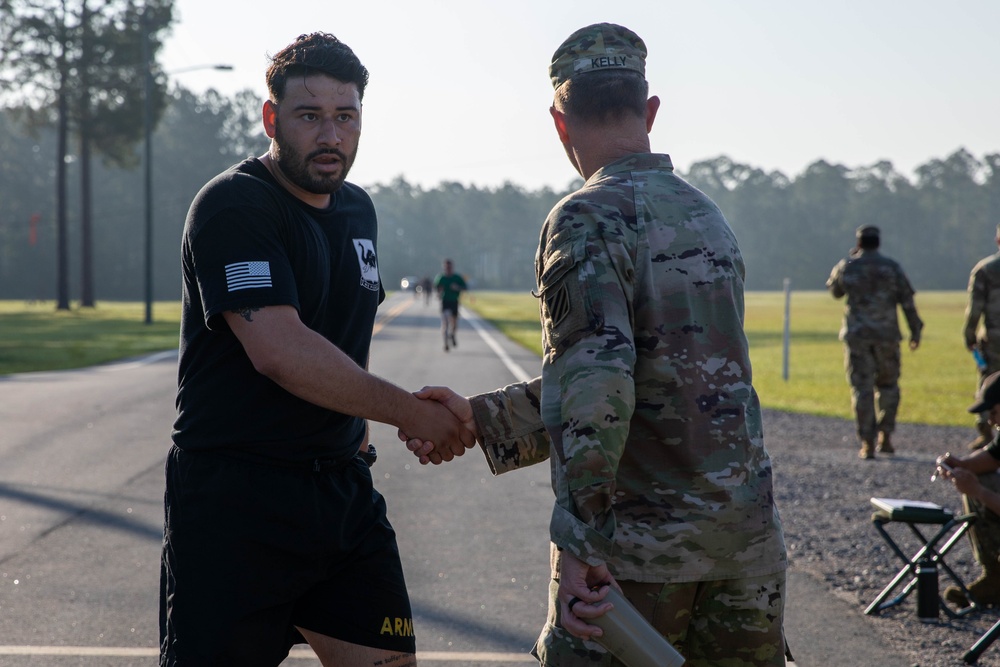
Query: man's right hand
428,450
445,434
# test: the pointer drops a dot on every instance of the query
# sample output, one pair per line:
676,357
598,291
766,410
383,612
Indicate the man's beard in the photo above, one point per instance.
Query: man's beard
296,168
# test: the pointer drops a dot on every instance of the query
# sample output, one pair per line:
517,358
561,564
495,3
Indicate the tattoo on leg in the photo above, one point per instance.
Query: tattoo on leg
246,313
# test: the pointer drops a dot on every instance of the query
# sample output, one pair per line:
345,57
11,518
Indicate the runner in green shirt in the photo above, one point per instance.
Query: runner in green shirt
449,285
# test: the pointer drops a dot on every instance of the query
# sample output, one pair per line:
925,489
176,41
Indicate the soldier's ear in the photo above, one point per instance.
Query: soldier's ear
559,118
652,106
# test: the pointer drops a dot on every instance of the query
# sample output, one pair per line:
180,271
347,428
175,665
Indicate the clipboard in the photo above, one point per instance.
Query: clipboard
915,511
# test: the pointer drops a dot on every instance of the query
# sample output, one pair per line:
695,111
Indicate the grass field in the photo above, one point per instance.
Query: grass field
37,337
938,380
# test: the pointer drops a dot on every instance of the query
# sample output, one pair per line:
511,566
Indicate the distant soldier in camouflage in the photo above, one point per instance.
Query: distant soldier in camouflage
645,406
984,304
874,286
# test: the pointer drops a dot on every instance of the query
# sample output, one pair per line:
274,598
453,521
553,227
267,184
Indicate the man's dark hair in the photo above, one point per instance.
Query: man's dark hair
318,53
868,242
603,96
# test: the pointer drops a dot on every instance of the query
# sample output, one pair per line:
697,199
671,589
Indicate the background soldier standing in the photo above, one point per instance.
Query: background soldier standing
874,286
984,304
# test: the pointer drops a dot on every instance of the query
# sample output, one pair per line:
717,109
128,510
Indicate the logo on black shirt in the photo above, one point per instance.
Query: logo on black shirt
368,263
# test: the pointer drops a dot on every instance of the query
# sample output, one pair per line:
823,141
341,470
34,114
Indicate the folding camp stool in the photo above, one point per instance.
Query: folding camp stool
982,644
916,513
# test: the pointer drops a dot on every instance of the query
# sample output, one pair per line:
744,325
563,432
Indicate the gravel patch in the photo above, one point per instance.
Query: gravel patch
823,492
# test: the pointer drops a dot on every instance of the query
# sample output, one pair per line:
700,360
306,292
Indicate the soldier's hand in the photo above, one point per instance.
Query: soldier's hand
456,403
914,344
965,481
459,406
582,589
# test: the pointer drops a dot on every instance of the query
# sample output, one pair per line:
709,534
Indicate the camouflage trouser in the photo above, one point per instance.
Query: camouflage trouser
985,532
873,373
735,622
992,357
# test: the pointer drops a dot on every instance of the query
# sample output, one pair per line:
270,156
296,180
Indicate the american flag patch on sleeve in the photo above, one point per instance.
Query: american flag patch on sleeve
247,275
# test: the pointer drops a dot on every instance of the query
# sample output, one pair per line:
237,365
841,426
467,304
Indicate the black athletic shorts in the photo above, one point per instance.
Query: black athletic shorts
449,307
251,550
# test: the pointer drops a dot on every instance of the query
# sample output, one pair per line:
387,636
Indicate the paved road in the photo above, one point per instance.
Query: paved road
81,461
81,457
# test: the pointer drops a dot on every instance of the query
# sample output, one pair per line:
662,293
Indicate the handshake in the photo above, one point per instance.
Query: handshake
448,428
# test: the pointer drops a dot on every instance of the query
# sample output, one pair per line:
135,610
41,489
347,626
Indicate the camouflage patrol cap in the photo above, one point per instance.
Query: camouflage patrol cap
868,232
600,46
989,394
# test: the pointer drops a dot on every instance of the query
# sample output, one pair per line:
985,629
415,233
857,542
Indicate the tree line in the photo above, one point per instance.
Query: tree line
86,68
937,225
79,81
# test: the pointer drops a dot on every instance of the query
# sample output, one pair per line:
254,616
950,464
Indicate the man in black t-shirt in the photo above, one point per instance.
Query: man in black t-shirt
274,534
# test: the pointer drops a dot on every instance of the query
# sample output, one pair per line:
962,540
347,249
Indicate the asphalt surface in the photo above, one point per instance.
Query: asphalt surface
81,457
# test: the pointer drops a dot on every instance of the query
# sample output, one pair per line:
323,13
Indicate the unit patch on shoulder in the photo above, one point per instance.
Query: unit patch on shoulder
557,304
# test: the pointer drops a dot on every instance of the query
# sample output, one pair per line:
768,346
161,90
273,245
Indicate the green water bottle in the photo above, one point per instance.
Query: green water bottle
630,638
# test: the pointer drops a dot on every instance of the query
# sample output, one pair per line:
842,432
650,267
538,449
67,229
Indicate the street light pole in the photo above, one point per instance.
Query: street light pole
147,126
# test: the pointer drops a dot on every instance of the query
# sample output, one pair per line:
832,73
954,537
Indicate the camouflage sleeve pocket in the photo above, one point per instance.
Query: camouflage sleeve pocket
568,308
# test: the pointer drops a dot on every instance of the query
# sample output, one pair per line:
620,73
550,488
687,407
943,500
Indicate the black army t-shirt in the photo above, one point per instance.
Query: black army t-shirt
248,243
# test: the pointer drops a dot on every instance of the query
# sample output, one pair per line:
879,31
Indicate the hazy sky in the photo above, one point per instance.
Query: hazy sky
459,89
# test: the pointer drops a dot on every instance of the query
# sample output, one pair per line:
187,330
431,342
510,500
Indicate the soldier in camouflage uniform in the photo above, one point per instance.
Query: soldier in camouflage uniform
874,286
975,476
645,405
984,304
